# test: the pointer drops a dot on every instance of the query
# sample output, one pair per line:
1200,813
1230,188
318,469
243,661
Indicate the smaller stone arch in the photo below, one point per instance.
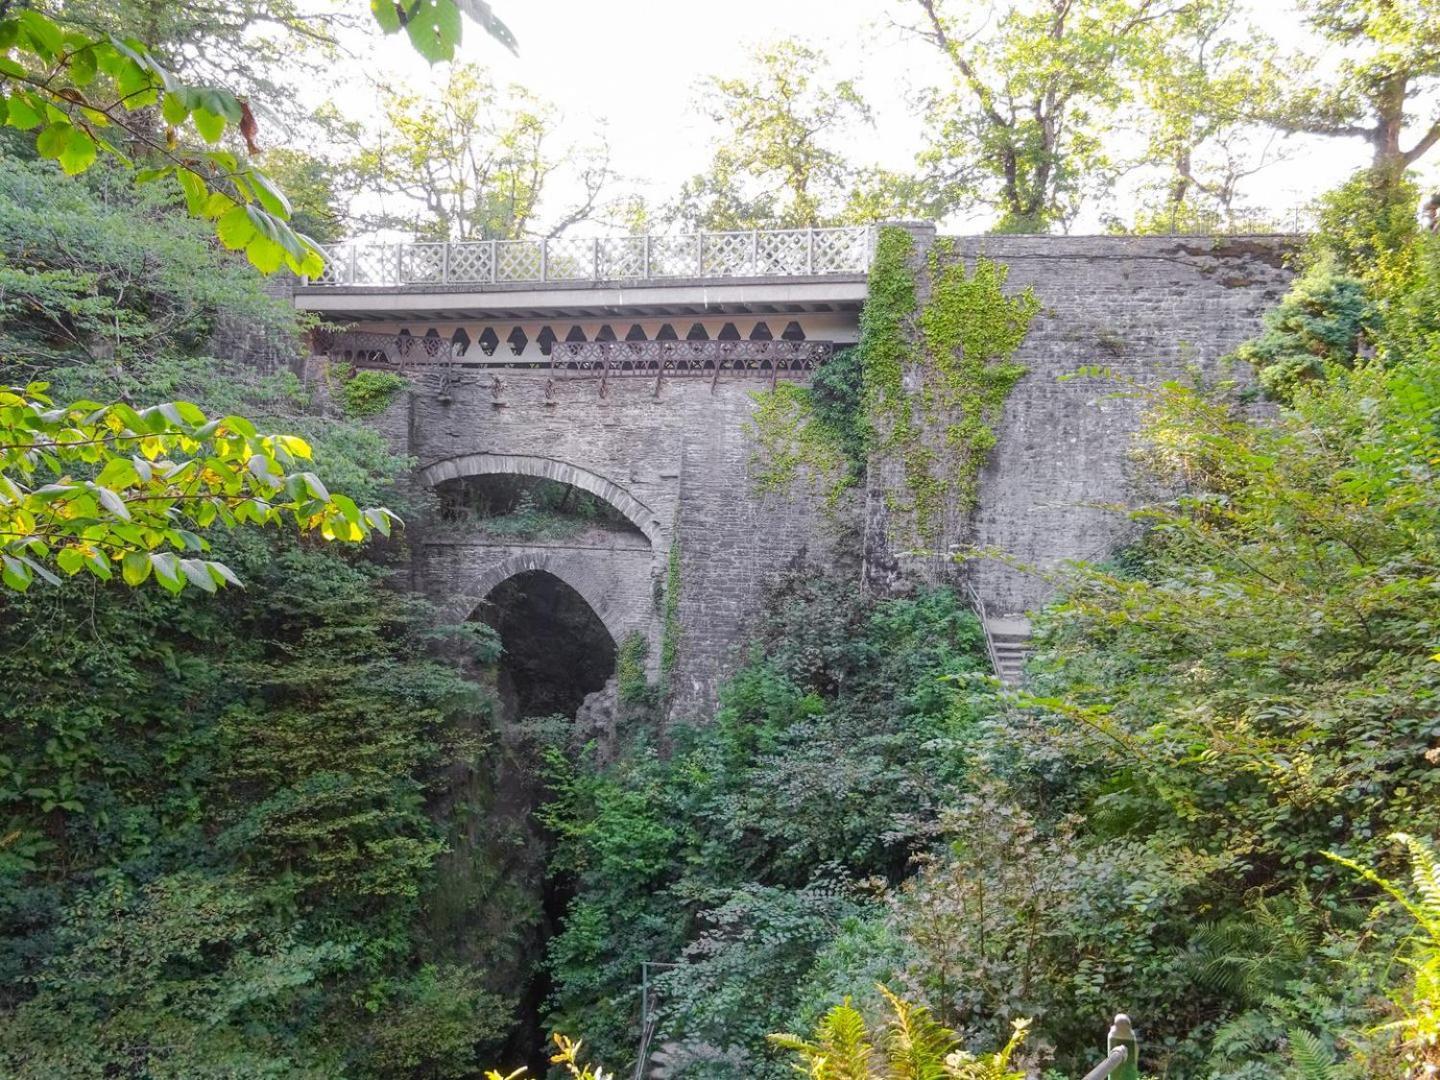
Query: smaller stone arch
636,512
560,564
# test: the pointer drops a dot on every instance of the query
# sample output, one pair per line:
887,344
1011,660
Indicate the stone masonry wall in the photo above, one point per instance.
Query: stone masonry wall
1149,308
680,454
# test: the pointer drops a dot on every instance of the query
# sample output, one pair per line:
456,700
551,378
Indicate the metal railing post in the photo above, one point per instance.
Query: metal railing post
399,264
494,262
754,252
445,264
1122,1033
810,250
544,259
699,254
645,259
595,259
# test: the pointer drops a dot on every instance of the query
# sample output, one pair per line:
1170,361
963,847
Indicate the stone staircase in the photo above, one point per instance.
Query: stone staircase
1009,641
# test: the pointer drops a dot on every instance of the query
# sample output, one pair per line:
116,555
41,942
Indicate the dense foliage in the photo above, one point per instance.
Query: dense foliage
761,836
218,842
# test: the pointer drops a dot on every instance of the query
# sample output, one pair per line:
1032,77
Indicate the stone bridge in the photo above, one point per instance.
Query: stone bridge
613,572
623,369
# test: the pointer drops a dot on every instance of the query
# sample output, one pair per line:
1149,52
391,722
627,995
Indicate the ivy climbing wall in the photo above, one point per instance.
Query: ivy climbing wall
984,440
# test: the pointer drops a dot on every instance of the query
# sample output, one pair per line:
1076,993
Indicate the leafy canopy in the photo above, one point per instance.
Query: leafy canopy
88,486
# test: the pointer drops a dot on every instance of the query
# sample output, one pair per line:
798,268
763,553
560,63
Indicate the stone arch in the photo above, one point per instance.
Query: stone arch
636,512
574,570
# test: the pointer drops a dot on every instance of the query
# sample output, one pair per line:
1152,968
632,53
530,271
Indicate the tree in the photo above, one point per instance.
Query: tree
471,163
76,78
97,487
1388,58
1035,84
311,185
776,162
1201,80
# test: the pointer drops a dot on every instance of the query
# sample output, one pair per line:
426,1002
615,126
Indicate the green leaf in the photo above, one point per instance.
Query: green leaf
99,564
198,575
52,140
387,14
174,109
21,112
167,571
235,229
15,573
265,254
195,189
82,66
270,196
44,35
211,126
135,568
79,152
112,502
118,473
434,28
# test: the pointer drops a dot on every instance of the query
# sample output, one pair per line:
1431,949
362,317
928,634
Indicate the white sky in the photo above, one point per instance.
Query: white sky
630,68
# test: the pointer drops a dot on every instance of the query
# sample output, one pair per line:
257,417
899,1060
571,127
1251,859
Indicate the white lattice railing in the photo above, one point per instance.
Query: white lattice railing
760,253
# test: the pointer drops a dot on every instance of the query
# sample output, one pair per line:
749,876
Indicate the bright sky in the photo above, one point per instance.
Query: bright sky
630,68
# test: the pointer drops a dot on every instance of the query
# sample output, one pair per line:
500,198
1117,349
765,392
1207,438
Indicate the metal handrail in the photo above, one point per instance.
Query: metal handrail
1117,1057
477,263
990,650
1123,1058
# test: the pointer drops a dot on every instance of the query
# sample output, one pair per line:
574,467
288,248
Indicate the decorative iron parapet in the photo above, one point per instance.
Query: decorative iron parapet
606,359
754,254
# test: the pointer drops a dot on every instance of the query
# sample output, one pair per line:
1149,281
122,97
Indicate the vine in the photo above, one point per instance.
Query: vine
631,684
961,343
670,630
970,331
369,393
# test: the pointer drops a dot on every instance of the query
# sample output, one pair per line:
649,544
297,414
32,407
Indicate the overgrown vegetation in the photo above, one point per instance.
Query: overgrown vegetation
217,847
959,347
369,393
744,852
267,833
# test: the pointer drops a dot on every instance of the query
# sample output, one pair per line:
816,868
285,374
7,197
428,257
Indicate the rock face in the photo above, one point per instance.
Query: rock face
674,454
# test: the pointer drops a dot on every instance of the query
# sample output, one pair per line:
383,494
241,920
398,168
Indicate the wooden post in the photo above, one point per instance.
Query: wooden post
1123,1034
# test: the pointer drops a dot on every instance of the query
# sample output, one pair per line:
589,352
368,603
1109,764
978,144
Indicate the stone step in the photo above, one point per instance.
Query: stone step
1010,638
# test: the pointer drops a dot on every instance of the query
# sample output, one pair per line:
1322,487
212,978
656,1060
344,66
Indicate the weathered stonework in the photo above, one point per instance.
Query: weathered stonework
674,457
674,463
1148,308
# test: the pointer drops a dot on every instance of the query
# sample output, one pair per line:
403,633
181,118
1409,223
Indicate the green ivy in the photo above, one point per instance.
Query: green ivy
369,393
634,688
962,341
670,634
971,331
788,436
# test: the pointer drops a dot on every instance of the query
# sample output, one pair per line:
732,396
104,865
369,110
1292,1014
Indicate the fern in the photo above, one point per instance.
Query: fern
1419,1027
915,1047
1313,1058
